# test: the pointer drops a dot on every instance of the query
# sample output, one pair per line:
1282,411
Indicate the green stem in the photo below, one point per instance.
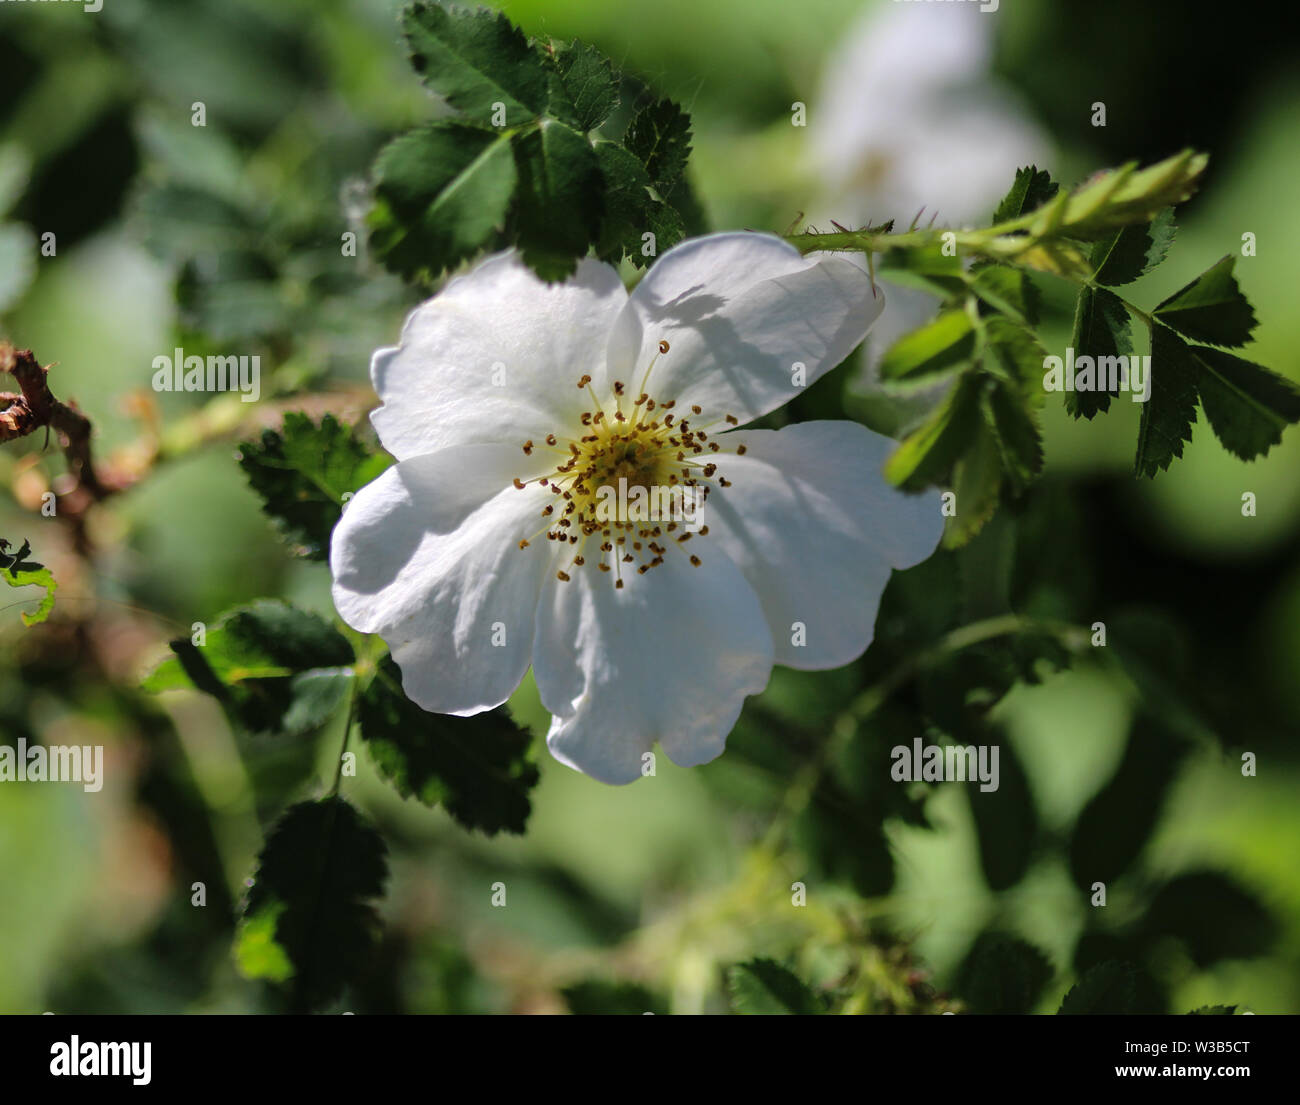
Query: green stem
353,697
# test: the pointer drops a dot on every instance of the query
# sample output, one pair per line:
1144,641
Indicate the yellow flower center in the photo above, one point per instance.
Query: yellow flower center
633,482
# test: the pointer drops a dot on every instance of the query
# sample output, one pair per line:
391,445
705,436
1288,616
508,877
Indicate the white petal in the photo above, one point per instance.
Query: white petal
815,528
494,357
909,114
739,313
878,85
669,658
427,556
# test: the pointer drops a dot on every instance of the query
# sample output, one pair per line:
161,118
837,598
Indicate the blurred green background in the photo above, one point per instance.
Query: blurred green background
226,238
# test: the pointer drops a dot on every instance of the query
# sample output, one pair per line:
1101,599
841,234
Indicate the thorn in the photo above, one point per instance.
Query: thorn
841,229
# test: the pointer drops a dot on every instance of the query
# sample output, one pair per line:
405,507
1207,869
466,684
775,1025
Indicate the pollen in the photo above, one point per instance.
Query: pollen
628,477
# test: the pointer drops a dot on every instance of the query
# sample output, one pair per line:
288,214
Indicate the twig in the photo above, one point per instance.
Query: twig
36,408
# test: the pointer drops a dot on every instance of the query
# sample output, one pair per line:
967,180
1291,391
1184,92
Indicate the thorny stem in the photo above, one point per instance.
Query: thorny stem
877,239
1049,236
36,408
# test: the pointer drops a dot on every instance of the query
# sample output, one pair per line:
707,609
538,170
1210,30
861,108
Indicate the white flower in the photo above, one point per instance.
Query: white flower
510,402
909,116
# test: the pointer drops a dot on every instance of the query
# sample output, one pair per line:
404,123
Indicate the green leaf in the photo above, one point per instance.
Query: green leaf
442,193
927,269
940,349
1247,405
927,455
1168,414
977,483
1113,828
304,472
17,571
1032,188
476,59
1002,975
309,918
1015,433
762,986
1215,918
584,91
1133,251
660,137
477,768
1108,989
1056,256
1119,197
1006,820
1013,355
275,668
1101,329
1008,290
632,210
1211,308
560,198
1213,1011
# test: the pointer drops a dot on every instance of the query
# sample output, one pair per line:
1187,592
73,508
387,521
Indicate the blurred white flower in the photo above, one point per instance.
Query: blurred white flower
510,404
909,116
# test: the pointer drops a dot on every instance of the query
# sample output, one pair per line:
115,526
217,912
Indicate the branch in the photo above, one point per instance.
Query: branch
36,407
